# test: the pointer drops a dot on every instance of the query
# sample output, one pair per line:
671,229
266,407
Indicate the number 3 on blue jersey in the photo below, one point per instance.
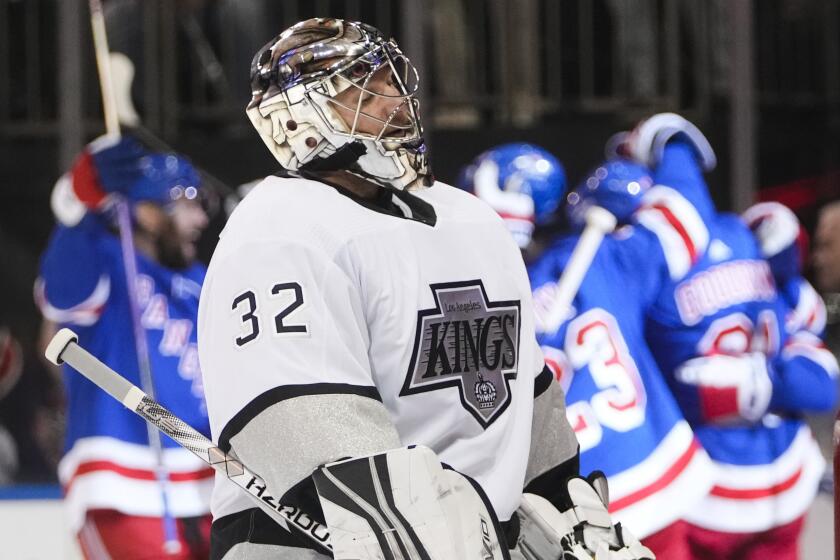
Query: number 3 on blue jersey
245,304
594,341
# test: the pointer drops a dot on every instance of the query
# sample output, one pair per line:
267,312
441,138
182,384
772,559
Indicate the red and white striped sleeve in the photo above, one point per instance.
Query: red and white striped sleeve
681,231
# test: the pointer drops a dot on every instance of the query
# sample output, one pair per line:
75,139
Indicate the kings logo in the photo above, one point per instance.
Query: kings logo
466,343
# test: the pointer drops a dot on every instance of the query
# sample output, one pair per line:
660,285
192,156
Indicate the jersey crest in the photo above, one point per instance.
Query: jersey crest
468,342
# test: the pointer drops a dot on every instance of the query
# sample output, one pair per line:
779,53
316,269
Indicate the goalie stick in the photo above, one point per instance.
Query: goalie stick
64,347
599,222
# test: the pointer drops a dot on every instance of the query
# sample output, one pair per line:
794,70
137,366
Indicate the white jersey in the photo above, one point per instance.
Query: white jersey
311,290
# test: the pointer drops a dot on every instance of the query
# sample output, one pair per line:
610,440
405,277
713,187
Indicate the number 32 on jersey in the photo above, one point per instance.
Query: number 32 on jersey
594,343
284,299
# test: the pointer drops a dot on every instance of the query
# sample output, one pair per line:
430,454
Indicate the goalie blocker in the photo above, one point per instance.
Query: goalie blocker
405,504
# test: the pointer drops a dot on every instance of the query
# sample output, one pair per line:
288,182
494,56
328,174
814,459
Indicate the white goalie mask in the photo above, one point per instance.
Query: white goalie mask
300,84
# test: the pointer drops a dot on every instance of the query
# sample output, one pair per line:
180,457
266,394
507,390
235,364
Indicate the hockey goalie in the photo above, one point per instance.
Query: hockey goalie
367,342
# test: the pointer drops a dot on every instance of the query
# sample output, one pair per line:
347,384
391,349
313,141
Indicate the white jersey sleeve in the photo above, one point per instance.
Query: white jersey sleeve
283,346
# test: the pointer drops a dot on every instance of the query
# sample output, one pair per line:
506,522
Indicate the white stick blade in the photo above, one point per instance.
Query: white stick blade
122,76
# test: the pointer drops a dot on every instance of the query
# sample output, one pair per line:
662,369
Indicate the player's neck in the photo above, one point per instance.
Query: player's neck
353,183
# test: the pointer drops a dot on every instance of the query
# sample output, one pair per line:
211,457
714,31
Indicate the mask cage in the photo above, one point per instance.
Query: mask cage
358,73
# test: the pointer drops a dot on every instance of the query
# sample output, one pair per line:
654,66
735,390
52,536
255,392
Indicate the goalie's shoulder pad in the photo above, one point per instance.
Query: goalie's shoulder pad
404,504
647,141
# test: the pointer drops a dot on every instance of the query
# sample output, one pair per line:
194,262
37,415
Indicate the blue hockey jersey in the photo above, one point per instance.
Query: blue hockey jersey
107,460
624,416
728,304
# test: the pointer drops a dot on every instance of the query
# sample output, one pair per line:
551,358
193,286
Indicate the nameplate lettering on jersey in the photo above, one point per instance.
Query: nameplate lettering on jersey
723,286
466,342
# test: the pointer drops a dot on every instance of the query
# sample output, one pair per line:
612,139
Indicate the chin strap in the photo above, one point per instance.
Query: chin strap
342,159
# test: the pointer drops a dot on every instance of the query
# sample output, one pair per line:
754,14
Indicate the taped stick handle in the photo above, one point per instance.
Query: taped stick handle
599,222
64,347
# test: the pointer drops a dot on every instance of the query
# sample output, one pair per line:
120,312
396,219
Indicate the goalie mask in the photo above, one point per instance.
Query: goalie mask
329,95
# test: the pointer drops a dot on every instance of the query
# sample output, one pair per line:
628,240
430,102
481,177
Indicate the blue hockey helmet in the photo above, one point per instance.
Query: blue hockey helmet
524,183
616,185
124,165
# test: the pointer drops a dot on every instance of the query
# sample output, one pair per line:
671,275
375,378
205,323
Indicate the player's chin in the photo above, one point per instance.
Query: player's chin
176,255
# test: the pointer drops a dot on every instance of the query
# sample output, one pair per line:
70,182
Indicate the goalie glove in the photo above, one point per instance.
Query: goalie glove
647,141
583,531
404,504
726,389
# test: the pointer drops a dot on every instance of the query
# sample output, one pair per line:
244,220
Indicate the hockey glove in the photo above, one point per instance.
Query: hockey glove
646,142
109,164
582,531
725,389
779,235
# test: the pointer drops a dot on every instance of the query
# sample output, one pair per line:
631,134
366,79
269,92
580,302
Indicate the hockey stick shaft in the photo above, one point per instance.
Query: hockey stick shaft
599,222
100,45
171,544
64,347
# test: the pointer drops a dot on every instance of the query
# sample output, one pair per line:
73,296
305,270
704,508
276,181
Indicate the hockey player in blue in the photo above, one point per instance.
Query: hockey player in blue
525,184
108,467
626,421
741,378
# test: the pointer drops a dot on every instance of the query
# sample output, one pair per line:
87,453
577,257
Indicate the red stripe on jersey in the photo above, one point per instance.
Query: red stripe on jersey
667,478
680,229
137,474
756,493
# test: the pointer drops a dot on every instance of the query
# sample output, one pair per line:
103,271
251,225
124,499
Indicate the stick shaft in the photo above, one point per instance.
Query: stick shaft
100,45
188,437
170,529
599,222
